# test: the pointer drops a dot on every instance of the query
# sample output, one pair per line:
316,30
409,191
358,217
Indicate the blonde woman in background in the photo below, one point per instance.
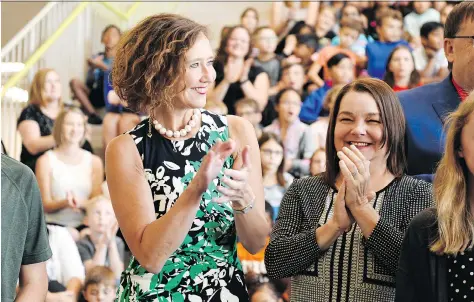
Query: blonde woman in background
437,258
68,176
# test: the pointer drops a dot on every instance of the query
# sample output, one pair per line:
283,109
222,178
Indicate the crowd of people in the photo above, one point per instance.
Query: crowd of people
326,156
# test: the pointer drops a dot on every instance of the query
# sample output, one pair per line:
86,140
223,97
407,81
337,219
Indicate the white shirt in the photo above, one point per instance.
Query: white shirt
414,22
65,262
421,60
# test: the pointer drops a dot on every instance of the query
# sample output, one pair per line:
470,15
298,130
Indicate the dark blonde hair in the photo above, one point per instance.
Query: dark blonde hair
36,95
391,116
149,66
455,219
222,54
59,123
100,275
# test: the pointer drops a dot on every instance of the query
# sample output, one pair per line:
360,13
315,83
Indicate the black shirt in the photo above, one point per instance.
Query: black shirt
45,123
234,93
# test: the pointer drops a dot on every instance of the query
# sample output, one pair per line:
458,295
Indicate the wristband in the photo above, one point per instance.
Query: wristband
245,209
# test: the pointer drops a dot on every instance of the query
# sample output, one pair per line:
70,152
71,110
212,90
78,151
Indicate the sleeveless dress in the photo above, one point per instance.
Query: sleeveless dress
75,178
205,267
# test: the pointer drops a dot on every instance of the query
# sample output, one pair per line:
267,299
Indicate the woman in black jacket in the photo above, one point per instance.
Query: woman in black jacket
437,257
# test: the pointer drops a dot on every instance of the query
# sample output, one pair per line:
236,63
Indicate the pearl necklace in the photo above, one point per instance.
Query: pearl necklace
178,133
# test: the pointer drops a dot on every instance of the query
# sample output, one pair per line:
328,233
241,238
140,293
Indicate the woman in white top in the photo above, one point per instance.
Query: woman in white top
68,176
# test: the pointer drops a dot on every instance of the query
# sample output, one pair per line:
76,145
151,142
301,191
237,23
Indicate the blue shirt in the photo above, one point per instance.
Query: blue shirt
313,104
377,56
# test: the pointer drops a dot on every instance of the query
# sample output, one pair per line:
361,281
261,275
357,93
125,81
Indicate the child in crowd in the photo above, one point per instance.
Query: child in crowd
100,285
249,19
422,13
341,70
319,129
401,73
318,162
348,34
430,60
389,30
305,47
248,109
292,132
91,94
324,25
264,293
275,179
216,107
292,76
266,40
253,265
102,246
445,12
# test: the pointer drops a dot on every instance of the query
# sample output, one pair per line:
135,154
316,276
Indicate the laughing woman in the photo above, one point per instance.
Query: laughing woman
338,236
437,258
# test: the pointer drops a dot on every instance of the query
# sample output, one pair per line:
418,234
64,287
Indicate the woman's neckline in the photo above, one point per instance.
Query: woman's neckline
379,191
80,151
196,129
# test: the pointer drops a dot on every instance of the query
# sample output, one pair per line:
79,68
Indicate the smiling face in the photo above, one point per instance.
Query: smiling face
199,74
73,129
343,72
238,44
358,123
289,106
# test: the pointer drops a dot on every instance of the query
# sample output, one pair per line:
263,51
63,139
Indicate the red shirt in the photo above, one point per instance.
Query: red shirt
461,92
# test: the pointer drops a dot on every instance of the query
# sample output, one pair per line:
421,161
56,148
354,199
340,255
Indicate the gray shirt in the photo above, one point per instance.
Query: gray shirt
24,237
271,67
87,249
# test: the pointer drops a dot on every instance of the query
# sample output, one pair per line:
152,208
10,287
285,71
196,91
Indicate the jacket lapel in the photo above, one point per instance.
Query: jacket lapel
447,99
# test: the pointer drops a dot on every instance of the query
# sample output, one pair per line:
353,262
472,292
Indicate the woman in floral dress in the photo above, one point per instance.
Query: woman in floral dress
185,182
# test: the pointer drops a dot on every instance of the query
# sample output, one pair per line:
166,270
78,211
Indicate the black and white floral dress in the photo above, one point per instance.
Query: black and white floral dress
205,267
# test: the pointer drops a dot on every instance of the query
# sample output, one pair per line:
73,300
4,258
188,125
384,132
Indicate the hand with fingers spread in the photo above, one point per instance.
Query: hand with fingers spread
238,190
356,171
342,216
212,164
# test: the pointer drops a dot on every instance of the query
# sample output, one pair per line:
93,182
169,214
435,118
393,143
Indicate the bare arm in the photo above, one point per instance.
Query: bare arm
43,170
33,283
32,139
277,22
98,259
74,286
312,15
252,228
133,203
116,263
313,74
97,176
259,90
218,92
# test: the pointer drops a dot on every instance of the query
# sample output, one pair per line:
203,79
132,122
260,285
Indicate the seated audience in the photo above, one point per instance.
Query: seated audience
430,60
318,162
102,247
236,77
36,120
293,133
65,270
100,285
248,109
389,30
341,70
249,19
436,262
422,13
91,94
68,176
331,228
401,73
265,41
275,179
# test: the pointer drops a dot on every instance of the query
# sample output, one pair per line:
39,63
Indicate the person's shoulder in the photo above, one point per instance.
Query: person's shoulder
415,188
15,172
421,93
313,183
425,219
30,112
240,126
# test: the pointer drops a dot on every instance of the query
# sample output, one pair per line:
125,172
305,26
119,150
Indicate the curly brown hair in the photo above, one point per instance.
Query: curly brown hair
149,66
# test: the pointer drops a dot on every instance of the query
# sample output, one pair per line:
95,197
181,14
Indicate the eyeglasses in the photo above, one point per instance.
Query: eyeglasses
269,152
464,37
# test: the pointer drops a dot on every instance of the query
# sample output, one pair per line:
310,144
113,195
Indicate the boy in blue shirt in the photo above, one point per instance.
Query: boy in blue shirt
389,29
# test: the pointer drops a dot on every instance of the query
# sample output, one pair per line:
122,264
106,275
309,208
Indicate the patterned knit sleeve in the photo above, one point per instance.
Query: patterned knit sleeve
386,239
292,249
